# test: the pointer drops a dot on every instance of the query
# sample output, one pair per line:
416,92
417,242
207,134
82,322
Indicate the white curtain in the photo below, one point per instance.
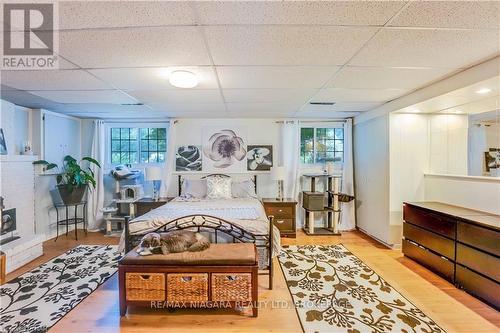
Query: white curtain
95,201
290,150
348,217
170,159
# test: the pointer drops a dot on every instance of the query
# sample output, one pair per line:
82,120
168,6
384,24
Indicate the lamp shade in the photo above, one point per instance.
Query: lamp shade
153,173
278,173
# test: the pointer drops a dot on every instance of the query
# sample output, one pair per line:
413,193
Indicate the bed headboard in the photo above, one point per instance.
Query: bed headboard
179,180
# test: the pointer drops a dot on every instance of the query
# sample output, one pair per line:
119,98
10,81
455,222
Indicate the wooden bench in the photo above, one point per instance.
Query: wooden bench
224,275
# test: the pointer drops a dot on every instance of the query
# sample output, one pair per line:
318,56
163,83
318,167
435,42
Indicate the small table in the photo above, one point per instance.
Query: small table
144,205
284,215
76,220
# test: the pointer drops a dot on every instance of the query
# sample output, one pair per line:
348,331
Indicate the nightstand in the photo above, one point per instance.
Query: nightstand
144,205
284,214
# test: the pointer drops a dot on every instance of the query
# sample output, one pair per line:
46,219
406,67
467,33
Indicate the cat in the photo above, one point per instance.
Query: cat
173,242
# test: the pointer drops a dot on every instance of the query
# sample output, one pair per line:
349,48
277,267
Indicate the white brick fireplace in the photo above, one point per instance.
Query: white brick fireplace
17,188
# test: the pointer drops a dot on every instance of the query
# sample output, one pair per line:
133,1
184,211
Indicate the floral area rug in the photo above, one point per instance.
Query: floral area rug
334,291
35,301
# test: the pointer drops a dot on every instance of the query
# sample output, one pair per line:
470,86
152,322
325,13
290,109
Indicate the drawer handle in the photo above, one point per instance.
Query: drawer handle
145,277
231,277
186,278
280,221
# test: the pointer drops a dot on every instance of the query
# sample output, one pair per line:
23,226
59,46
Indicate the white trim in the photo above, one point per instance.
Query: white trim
464,177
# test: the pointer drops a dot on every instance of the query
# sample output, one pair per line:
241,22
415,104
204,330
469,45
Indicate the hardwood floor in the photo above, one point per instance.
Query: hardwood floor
451,308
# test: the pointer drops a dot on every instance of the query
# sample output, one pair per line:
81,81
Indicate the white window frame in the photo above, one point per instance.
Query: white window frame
107,150
314,125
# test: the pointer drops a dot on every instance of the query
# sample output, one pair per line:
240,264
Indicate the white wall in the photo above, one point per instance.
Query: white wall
469,192
259,131
14,120
448,144
371,172
409,159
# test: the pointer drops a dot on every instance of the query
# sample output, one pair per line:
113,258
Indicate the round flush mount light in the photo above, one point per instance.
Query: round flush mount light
183,79
483,91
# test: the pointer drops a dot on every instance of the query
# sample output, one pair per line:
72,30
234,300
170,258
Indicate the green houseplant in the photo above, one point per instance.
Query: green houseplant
73,179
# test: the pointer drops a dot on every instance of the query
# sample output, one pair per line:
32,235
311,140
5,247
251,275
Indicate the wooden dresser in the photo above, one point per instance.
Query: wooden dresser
284,215
460,244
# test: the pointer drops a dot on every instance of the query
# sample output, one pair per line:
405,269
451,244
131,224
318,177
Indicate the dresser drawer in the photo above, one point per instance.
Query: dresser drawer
479,261
437,264
485,239
437,223
285,224
484,288
430,240
280,211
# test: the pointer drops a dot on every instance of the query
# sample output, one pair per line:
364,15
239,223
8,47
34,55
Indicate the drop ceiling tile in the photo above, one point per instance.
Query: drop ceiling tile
106,14
297,12
285,45
258,115
153,78
340,107
318,114
268,95
106,108
450,14
202,109
178,96
386,77
52,80
138,47
258,77
428,48
271,108
357,95
86,96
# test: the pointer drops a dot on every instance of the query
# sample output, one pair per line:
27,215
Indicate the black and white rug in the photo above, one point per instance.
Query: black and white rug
335,291
35,301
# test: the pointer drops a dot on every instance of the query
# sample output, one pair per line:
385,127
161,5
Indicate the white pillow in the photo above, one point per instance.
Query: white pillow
194,188
243,189
218,187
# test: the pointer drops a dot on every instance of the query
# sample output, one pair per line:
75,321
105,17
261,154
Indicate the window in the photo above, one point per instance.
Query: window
138,145
321,145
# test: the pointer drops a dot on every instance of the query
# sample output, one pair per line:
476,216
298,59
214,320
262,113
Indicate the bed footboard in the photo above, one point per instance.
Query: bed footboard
217,227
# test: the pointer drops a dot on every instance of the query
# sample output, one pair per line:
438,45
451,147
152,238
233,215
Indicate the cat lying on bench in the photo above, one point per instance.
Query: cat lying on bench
173,242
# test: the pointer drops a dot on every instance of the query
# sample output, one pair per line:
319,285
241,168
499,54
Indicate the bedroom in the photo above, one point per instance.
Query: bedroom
342,158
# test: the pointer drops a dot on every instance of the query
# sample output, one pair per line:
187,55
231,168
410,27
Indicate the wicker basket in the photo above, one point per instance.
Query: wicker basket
145,286
187,287
231,287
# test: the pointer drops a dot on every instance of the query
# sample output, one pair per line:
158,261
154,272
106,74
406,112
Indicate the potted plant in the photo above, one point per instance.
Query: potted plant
73,180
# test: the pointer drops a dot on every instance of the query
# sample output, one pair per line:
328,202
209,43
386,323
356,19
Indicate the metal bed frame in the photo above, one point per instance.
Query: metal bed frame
217,227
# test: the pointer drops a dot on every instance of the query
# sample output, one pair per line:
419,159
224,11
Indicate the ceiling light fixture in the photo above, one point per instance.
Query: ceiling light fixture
483,91
183,79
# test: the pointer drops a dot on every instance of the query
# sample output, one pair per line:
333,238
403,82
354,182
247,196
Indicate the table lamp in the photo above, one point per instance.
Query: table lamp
154,174
278,173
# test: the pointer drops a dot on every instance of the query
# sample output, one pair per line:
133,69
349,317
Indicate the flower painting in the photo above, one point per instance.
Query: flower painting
259,158
224,149
188,158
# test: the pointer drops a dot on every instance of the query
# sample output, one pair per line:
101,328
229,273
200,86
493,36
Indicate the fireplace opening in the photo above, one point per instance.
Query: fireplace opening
8,226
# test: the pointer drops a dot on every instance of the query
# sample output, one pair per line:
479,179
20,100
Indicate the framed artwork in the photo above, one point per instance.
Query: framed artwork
3,145
224,149
492,159
259,157
188,158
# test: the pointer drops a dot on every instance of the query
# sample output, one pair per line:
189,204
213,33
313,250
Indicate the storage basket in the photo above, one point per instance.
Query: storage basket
145,286
187,287
313,201
231,287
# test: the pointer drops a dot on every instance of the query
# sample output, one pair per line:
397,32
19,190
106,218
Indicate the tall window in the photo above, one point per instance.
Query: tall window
321,145
138,145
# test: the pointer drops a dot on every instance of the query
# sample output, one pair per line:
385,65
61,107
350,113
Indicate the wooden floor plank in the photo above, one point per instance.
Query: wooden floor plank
453,309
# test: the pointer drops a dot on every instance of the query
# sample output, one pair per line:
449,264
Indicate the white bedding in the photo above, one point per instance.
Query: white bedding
247,213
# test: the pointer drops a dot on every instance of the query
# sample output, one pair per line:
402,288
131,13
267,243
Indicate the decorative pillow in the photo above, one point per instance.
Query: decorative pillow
243,189
194,188
218,187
